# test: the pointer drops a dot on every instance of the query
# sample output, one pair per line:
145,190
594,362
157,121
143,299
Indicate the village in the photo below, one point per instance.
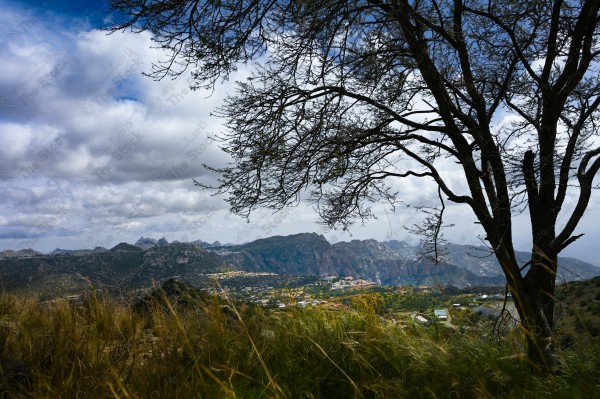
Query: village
421,305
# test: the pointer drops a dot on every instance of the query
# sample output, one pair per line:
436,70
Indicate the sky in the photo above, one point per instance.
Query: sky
93,153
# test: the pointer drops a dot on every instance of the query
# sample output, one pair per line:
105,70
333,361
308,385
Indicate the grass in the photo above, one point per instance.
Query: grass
103,348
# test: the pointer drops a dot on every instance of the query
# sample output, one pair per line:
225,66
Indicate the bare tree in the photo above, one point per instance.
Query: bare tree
344,92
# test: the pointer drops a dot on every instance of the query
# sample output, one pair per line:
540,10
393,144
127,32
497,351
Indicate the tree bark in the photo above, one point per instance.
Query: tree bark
539,284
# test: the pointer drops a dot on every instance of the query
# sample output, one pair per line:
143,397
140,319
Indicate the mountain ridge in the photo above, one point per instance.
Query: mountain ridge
123,268
131,266
388,263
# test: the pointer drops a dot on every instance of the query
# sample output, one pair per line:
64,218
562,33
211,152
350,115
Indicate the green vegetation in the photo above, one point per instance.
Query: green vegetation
579,312
205,346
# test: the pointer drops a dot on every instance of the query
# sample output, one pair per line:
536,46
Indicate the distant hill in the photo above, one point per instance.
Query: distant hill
388,263
128,267
9,253
59,251
123,268
146,242
367,259
481,262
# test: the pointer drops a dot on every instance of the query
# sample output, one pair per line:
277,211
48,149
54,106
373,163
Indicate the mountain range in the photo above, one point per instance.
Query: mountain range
129,267
387,263
121,269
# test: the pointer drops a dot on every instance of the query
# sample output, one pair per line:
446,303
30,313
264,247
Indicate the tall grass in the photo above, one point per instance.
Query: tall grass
100,348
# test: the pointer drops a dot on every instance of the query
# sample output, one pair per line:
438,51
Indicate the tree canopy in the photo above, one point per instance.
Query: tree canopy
346,95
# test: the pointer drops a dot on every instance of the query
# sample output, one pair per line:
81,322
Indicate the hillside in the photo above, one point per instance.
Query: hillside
578,313
121,269
129,267
387,263
480,261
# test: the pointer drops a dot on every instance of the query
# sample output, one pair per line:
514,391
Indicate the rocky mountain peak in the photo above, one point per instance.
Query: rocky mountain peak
145,242
124,247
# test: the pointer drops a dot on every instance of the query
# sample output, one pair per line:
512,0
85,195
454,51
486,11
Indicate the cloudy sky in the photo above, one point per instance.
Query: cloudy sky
92,153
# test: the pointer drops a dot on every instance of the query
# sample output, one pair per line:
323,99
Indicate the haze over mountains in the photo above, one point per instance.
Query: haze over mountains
149,261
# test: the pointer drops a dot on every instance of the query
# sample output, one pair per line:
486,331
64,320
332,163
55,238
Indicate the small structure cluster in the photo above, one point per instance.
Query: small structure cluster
351,282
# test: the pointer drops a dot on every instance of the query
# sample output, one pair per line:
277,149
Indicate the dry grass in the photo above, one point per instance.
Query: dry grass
101,348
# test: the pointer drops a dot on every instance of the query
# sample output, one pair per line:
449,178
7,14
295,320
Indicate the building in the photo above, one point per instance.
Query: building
441,314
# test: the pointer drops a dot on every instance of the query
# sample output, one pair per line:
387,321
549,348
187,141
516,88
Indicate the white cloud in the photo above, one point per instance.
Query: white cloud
93,153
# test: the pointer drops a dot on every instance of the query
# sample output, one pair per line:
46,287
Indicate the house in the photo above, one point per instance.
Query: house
441,314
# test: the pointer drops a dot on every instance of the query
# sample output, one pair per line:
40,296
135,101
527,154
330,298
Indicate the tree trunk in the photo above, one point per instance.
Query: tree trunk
538,310
533,297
